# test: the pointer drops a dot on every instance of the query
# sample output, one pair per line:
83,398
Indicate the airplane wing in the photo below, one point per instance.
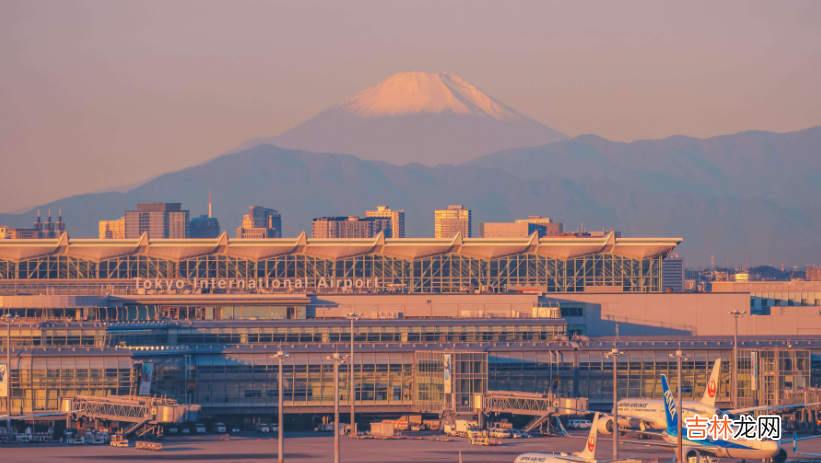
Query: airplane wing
661,444
580,460
774,407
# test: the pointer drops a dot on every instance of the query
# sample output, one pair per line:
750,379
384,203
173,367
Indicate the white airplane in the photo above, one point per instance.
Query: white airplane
648,414
766,450
587,455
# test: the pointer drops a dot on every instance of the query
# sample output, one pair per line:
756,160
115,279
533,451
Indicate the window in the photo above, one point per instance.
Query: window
572,310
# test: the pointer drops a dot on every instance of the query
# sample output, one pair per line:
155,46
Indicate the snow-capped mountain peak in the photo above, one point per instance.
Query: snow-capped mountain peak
420,92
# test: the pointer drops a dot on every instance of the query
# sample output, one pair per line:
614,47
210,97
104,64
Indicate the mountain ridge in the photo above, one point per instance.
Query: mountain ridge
585,179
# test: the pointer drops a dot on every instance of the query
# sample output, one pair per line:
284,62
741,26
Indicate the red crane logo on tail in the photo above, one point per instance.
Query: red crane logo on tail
711,388
591,443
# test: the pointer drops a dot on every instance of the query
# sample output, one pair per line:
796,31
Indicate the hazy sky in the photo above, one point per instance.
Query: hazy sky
105,93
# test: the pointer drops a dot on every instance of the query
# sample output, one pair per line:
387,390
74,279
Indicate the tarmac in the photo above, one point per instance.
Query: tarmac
315,447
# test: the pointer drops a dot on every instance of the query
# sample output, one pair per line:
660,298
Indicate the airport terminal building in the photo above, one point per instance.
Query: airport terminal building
439,321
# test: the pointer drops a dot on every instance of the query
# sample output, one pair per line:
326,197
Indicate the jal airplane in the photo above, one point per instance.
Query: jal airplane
587,455
649,415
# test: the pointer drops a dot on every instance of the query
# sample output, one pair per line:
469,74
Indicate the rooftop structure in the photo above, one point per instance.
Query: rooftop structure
40,230
409,265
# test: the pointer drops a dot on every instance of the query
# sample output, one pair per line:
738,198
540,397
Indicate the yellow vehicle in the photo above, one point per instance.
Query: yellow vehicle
117,440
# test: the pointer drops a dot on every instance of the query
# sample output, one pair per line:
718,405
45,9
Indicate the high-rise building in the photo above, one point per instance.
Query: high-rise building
204,227
551,228
396,228
260,222
672,273
112,229
813,274
510,230
350,227
452,220
4,232
159,220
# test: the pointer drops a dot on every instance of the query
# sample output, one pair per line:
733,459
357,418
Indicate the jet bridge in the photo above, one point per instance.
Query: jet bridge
540,406
144,414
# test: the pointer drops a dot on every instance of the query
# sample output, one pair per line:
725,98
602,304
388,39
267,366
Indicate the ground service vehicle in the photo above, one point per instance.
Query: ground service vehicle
117,440
263,427
500,433
199,428
218,427
579,424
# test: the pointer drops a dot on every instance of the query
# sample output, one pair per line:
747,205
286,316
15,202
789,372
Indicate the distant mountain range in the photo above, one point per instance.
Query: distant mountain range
416,117
752,195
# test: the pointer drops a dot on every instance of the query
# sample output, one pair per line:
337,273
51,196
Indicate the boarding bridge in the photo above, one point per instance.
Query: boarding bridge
540,406
145,414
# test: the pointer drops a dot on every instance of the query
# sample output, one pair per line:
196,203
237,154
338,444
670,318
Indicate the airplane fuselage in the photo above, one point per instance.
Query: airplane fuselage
741,449
549,458
633,413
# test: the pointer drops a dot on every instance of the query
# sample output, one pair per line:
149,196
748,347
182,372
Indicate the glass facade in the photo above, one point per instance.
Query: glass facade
134,335
403,378
250,380
638,373
38,382
777,372
435,274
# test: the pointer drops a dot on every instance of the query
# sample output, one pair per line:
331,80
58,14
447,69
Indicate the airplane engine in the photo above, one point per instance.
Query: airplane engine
693,456
605,425
780,457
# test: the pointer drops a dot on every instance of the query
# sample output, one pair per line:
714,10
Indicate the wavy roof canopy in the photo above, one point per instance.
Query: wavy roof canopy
337,249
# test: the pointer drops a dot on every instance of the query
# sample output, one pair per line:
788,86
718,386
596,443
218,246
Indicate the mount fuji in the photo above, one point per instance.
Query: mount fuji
417,117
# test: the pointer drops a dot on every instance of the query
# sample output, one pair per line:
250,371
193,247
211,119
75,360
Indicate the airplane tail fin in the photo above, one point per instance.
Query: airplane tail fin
561,427
670,407
711,390
589,452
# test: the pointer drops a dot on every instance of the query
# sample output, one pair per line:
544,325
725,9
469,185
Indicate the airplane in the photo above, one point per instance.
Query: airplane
587,455
766,450
648,414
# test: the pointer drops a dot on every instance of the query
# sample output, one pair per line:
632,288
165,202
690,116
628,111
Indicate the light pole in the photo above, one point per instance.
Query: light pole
615,354
352,316
736,315
280,446
338,360
8,318
679,356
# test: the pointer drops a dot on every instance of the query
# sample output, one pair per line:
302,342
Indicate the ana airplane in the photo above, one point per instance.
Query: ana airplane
766,450
648,414
587,455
